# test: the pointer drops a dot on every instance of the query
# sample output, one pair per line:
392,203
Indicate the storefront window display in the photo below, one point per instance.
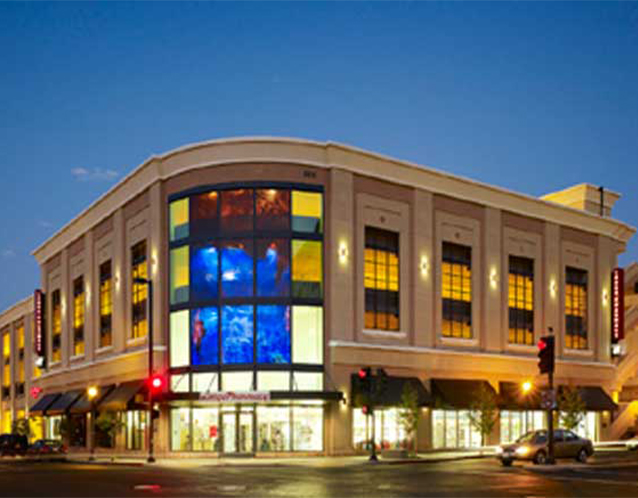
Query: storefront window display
136,432
516,423
53,424
389,432
452,429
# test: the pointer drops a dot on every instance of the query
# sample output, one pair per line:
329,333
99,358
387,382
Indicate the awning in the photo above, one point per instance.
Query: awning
596,399
63,402
122,397
391,395
511,397
43,403
83,405
457,393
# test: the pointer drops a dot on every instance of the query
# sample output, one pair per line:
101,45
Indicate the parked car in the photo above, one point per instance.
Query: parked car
13,444
632,444
47,447
533,446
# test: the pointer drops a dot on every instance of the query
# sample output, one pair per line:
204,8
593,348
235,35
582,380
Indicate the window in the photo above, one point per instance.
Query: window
575,308
19,387
389,432
180,429
452,429
179,339
237,268
273,337
56,327
273,267
106,304
78,316
237,210
178,219
307,269
136,429
206,429
6,364
273,209
307,210
516,423
521,300
204,336
139,291
237,334
179,282
456,281
273,428
204,214
307,342
381,279
307,434
204,274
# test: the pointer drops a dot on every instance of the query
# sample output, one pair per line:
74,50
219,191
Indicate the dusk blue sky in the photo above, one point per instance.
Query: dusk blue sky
529,96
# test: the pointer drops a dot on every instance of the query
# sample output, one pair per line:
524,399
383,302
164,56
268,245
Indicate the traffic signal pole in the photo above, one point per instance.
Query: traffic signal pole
550,422
373,448
150,458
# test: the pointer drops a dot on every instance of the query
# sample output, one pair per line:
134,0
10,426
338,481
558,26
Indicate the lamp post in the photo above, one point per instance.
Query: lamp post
91,393
149,284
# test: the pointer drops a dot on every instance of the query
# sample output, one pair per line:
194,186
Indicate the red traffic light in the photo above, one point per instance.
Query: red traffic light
365,409
156,383
362,373
542,344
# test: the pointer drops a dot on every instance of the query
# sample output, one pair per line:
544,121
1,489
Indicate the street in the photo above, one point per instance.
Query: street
604,476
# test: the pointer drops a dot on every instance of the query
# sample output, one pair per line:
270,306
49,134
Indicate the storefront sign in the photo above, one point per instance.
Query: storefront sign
38,306
617,305
233,397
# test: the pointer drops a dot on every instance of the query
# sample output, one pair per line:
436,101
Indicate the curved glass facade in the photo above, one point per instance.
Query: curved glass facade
246,288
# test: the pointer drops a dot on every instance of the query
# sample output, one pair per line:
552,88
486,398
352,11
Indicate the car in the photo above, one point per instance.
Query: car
632,444
47,447
13,444
533,446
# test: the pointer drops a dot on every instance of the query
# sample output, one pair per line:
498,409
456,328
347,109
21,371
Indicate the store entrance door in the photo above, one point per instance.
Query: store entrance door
238,424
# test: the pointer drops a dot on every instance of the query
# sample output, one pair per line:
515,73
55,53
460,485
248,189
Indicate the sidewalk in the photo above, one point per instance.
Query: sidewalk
319,461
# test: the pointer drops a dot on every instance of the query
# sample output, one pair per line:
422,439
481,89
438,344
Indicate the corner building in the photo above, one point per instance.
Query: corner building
280,267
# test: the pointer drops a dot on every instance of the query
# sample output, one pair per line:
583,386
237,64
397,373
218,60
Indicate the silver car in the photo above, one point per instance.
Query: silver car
533,446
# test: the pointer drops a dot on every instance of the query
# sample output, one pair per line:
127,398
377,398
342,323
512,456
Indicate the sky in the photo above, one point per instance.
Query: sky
529,96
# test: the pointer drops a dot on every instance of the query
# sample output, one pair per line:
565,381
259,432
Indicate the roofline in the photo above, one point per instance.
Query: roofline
622,230
6,314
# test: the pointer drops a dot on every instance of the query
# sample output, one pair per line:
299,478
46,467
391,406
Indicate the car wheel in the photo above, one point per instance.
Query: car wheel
581,456
540,458
506,463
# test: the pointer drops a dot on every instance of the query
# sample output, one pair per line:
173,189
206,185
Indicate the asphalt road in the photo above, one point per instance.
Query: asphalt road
612,477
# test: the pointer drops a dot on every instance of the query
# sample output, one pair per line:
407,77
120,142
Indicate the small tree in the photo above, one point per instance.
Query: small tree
571,408
21,427
107,425
484,412
409,415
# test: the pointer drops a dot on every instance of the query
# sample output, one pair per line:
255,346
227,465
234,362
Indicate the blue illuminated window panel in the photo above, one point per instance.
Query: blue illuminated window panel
237,334
237,269
273,267
273,334
204,334
204,273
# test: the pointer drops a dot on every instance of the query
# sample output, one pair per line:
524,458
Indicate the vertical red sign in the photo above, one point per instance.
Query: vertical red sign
38,307
617,305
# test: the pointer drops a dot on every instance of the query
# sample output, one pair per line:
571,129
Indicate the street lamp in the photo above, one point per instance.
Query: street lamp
91,393
527,387
149,283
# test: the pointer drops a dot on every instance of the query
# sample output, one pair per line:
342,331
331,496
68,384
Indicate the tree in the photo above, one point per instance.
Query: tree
571,408
21,427
107,425
409,415
483,412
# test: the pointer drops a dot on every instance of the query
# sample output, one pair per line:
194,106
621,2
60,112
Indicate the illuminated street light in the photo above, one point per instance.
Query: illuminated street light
527,387
91,393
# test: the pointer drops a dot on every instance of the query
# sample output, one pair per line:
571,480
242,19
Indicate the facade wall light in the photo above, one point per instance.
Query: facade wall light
343,252
552,288
493,279
424,266
605,297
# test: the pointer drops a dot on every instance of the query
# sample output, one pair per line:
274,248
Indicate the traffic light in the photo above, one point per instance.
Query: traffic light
156,384
366,410
365,380
546,354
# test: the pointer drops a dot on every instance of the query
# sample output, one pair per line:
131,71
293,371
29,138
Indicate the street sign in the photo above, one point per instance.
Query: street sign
548,399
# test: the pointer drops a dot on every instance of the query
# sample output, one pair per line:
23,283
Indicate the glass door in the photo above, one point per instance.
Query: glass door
229,431
238,430
245,431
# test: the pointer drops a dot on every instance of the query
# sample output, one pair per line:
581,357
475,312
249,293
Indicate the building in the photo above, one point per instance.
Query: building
280,268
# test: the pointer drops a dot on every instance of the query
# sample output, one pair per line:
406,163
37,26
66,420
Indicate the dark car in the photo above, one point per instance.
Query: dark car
533,446
47,447
13,444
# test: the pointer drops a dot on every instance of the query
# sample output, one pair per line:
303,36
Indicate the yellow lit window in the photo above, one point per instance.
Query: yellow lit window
178,219
6,359
139,291
307,268
179,275
381,279
20,345
307,209
56,326
78,316
106,304
456,291
575,308
521,300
